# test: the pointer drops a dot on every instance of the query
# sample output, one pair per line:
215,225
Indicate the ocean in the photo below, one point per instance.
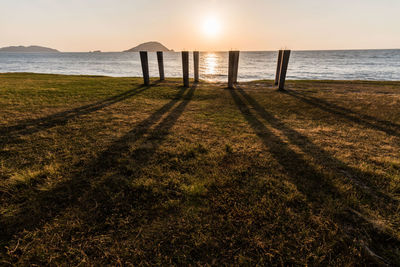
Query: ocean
304,65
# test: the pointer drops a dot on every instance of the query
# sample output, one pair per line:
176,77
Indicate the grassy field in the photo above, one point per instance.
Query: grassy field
99,170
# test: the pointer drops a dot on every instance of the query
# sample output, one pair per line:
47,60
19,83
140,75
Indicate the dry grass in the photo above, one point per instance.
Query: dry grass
98,171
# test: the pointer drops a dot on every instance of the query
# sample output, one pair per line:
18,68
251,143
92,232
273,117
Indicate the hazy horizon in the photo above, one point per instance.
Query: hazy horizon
210,25
210,51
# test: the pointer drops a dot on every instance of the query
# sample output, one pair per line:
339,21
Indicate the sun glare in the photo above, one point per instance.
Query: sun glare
211,27
210,60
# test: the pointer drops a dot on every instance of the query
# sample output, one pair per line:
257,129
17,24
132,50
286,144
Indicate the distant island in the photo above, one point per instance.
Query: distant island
150,47
30,49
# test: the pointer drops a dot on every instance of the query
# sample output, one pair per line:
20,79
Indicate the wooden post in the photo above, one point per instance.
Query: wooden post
160,59
236,66
278,67
231,69
145,67
185,68
196,56
282,75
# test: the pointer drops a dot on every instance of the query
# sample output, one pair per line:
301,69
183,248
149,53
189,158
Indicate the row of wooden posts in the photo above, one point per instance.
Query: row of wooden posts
280,77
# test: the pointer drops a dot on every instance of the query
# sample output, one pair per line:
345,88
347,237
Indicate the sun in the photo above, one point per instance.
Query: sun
211,27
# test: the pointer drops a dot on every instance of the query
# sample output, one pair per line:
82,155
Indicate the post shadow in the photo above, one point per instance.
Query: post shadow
11,134
53,202
311,182
388,127
318,154
295,166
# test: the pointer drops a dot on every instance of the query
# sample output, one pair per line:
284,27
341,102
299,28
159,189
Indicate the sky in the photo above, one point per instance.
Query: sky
205,25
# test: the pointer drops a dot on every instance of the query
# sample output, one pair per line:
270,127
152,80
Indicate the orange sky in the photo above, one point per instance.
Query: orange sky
115,25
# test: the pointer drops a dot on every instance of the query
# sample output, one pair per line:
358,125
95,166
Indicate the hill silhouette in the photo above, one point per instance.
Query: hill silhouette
150,47
32,48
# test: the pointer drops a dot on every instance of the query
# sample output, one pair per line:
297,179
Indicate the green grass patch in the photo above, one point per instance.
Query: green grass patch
104,171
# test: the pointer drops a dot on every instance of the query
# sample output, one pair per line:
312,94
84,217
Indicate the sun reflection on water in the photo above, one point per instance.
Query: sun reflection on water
210,60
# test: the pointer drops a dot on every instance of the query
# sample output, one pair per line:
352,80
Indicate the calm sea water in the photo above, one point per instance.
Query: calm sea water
335,65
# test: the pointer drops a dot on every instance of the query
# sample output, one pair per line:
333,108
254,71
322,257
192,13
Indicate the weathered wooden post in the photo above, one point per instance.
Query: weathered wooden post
278,67
231,69
145,67
160,59
282,75
196,55
236,66
185,68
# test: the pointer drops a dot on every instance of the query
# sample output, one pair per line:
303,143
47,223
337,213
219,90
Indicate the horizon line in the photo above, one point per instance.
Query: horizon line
212,51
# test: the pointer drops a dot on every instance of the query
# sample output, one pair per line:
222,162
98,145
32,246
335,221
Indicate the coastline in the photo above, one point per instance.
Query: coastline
309,65
202,80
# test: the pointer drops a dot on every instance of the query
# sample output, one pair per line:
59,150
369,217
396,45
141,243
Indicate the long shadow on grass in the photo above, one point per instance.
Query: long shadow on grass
388,127
11,134
313,183
359,179
89,185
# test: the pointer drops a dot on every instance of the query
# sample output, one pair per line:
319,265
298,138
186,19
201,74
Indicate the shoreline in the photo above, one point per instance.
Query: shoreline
191,79
375,65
